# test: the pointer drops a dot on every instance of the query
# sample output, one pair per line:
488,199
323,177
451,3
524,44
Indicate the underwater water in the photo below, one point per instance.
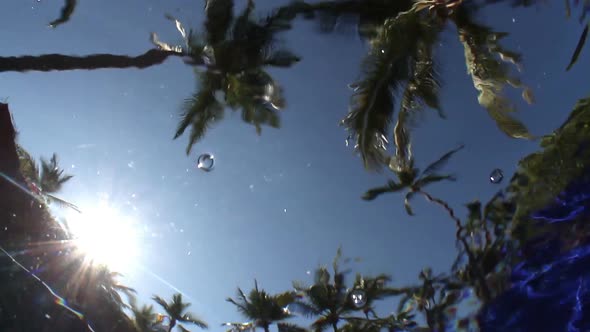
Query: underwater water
344,165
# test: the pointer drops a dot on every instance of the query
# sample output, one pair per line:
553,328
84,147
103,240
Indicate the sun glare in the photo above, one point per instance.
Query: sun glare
106,237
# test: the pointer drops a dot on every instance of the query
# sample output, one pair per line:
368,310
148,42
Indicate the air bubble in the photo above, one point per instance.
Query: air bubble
496,176
206,162
358,298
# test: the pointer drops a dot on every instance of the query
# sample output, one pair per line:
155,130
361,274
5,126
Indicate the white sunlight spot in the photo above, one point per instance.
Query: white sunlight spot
106,236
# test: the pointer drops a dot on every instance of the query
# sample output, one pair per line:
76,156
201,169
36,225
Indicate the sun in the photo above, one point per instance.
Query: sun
106,237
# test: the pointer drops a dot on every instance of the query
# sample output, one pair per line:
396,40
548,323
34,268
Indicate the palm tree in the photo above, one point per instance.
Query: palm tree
412,179
402,35
46,181
235,52
407,40
423,298
374,289
176,312
400,60
143,318
110,288
262,308
328,299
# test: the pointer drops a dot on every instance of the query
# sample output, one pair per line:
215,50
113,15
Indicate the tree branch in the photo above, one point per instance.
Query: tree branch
50,62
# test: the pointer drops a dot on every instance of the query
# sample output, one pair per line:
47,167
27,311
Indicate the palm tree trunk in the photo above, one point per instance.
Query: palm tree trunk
451,212
444,205
172,324
50,62
266,328
335,326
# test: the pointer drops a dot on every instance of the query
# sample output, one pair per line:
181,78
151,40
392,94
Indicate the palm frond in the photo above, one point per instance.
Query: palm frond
243,25
390,63
391,187
280,58
407,205
201,111
508,124
52,177
403,153
579,47
487,65
286,327
66,13
306,309
424,85
161,302
431,178
62,203
190,318
372,104
28,166
285,298
320,324
368,15
219,16
242,307
441,162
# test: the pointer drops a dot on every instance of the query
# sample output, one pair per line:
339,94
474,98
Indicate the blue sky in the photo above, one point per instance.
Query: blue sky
279,204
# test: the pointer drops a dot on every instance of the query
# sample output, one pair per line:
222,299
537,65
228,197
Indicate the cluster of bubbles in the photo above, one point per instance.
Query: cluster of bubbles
358,298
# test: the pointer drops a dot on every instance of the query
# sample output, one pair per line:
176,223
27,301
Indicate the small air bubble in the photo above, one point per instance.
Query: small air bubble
496,176
206,162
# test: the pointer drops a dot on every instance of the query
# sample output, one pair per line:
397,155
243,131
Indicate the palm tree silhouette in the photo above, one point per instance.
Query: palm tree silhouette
46,181
402,36
374,289
235,52
326,298
407,41
262,308
110,288
412,179
176,312
143,318
400,60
